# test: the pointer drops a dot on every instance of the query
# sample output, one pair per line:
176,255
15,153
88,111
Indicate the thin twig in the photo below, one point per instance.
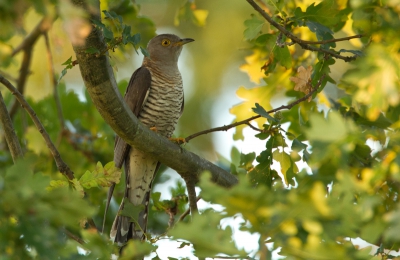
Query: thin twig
9,132
23,75
74,237
187,212
61,165
43,26
53,80
295,39
253,127
246,121
334,40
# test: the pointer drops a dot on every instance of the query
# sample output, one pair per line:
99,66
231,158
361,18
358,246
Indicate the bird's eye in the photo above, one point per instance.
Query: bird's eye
165,42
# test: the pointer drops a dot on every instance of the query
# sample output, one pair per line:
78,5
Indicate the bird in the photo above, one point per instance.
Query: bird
155,96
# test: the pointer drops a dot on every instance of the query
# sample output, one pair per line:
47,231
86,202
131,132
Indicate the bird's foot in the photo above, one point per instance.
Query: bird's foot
178,140
154,129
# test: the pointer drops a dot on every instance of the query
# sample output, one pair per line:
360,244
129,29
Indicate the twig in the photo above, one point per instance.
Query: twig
43,26
61,165
23,75
74,237
53,80
26,46
9,132
303,44
246,121
187,212
333,40
253,127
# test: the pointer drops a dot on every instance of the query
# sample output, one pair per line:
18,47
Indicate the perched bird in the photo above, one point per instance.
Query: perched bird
155,96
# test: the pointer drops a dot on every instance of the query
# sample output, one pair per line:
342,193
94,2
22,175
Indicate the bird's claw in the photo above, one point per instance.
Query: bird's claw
178,140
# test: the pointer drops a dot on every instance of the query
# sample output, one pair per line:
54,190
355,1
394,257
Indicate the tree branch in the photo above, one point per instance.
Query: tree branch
182,217
191,189
61,165
300,42
9,132
246,121
101,85
26,46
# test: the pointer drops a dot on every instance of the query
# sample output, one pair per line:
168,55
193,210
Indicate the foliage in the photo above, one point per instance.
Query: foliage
328,170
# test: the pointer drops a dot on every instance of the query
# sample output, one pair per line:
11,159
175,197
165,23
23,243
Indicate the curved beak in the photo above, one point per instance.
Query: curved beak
184,41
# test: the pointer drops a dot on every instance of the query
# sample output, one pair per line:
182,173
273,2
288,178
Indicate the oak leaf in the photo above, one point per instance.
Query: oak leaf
302,80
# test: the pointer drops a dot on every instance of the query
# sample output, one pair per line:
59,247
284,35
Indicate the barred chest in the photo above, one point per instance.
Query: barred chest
163,104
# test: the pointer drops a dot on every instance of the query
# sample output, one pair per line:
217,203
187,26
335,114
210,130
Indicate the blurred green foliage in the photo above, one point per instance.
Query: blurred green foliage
328,170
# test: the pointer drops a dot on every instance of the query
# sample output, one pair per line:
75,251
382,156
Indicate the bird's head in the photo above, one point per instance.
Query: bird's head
166,48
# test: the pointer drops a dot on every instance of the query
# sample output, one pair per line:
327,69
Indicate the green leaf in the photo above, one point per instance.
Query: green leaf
92,50
332,129
262,112
283,56
322,32
101,176
355,52
136,249
288,167
325,13
108,34
131,210
207,236
144,51
253,27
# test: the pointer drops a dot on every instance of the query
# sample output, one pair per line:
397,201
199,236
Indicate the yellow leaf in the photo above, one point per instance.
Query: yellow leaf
312,227
254,65
318,196
261,95
201,16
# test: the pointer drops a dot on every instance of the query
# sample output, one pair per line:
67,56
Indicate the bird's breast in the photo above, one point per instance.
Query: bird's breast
162,107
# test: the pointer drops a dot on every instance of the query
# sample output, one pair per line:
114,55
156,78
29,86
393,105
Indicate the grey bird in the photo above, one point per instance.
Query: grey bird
155,96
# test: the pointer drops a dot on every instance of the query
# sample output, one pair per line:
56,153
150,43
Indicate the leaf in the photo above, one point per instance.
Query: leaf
302,80
92,50
254,65
283,56
200,17
262,112
136,249
101,176
332,129
288,167
355,52
322,32
325,13
253,28
207,236
54,184
244,109
131,210
144,51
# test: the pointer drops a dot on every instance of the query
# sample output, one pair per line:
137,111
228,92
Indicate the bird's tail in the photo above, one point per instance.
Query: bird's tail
126,227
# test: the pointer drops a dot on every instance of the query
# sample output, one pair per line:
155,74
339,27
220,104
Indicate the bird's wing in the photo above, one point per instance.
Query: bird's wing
135,96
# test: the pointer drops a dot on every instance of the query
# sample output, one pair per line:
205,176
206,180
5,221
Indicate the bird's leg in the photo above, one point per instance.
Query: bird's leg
178,140
153,128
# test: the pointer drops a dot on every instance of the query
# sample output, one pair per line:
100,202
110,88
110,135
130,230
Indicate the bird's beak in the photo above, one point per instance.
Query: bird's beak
184,41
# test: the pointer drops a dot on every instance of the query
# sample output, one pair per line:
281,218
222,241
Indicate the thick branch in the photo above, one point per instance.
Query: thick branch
61,165
102,88
303,44
9,132
246,121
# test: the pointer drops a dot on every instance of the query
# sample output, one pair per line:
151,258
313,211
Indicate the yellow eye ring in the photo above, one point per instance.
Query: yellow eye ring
165,42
